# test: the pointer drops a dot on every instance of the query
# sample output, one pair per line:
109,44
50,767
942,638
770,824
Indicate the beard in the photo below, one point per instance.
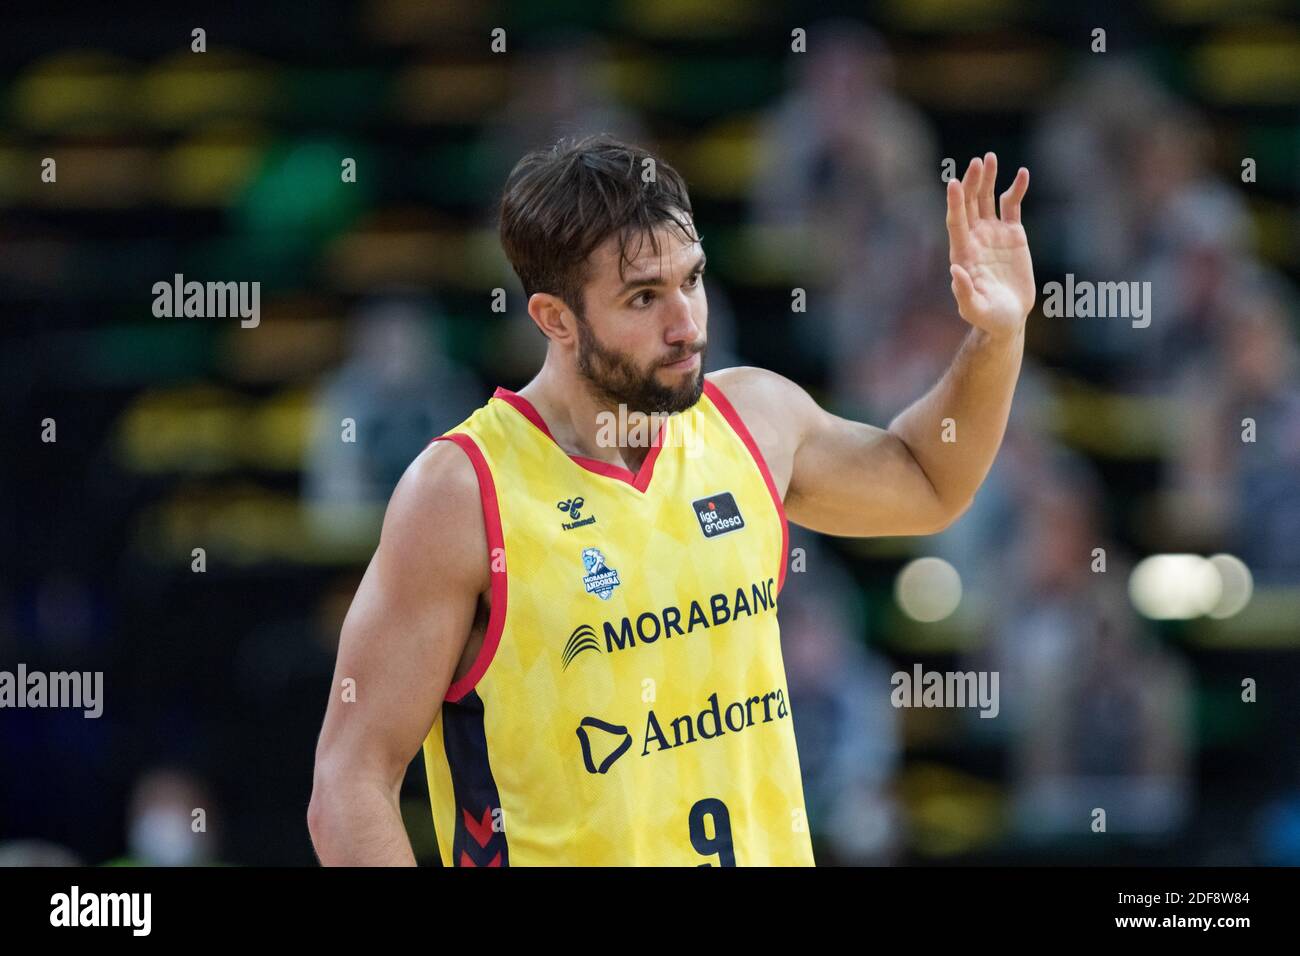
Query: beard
617,380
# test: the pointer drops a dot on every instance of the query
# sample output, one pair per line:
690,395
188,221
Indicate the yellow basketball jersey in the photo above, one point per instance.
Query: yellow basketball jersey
629,704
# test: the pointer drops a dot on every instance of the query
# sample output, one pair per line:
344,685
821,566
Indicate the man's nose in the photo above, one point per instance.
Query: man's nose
682,326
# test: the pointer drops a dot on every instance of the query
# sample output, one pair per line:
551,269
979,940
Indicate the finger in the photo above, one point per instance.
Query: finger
987,183
970,184
957,224
1009,203
963,289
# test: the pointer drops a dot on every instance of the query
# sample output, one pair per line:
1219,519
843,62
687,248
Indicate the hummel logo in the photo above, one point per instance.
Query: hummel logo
573,508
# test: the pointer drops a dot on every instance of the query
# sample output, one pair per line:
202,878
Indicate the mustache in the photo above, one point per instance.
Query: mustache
687,353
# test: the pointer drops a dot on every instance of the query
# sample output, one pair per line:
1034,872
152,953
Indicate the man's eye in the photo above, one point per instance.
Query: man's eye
647,296
695,279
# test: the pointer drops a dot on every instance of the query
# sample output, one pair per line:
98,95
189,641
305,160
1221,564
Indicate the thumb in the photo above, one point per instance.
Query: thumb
963,289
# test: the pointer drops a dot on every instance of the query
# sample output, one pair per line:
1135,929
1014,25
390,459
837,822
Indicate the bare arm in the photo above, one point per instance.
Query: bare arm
401,642
919,475
836,476
954,431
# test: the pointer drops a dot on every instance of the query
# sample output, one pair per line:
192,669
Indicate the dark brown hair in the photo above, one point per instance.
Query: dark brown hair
562,201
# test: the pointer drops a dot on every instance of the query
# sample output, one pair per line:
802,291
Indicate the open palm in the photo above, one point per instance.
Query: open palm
992,274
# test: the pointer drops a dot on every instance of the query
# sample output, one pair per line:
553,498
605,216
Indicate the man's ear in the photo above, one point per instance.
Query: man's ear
553,317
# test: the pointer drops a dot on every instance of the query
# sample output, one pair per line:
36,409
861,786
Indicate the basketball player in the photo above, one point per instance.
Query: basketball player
572,607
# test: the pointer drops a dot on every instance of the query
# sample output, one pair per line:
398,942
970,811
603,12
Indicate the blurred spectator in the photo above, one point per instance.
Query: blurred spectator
1097,717
164,828
1126,195
1193,241
558,88
1244,494
1082,166
1114,734
850,176
846,729
25,853
886,375
399,390
979,542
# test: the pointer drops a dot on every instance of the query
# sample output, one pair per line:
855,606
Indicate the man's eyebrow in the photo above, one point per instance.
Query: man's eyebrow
638,281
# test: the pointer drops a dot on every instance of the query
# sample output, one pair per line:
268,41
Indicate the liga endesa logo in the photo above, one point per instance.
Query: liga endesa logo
718,514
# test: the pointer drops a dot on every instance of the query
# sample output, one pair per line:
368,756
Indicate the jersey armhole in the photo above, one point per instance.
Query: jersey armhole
496,546
737,424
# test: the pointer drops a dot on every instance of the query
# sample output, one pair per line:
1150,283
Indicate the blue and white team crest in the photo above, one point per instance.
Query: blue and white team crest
600,578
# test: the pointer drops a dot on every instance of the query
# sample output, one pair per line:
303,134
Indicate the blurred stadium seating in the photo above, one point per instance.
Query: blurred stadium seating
818,170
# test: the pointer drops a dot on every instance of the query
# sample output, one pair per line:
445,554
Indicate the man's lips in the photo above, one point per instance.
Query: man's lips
688,362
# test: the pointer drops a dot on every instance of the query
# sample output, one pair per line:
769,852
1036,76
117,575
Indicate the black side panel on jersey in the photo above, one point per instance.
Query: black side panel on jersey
475,842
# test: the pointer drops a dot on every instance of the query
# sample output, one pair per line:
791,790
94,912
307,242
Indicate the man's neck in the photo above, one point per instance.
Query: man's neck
583,424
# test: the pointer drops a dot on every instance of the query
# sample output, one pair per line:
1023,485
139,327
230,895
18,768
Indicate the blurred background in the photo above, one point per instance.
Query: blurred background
818,170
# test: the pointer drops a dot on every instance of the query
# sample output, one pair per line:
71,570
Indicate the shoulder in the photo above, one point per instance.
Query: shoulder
437,501
772,409
760,394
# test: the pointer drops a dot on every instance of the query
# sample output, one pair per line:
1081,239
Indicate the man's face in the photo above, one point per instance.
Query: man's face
641,342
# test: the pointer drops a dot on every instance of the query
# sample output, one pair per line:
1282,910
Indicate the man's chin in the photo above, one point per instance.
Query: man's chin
683,395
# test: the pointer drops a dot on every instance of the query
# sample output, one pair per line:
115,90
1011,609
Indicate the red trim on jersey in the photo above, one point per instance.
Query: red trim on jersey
640,481
495,539
738,426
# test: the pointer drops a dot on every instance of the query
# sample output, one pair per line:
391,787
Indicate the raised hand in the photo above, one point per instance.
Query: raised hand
992,274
